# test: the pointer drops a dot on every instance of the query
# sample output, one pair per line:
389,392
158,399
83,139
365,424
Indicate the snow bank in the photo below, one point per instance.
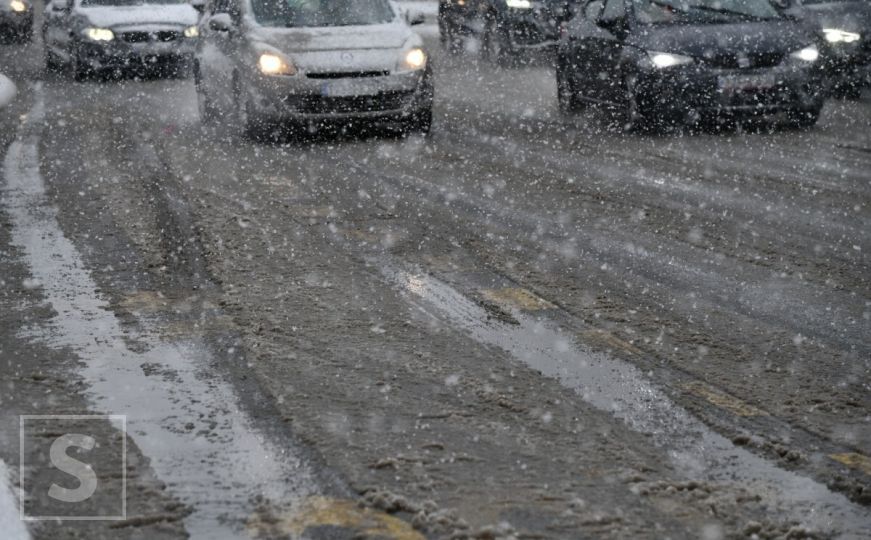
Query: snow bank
7,94
10,524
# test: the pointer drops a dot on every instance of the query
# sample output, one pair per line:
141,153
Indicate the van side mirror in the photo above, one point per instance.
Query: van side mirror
221,22
414,17
199,5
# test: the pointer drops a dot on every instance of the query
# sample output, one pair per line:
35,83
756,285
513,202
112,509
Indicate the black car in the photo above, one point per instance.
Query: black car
16,20
660,62
845,29
505,28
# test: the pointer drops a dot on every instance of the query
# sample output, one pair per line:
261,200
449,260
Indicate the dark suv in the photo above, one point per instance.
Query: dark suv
666,62
505,28
844,27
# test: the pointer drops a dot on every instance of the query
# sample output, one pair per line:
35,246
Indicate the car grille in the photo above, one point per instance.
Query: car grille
384,101
145,37
525,33
347,75
771,97
750,60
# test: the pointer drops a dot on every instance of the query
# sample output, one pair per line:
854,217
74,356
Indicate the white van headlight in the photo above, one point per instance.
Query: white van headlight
271,63
191,32
412,59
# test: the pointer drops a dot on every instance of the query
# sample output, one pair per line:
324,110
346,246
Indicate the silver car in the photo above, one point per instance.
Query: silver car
266,62
96,35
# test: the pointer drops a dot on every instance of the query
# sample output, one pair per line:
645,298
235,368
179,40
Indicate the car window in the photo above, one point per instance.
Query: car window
593,10
613,10
301,13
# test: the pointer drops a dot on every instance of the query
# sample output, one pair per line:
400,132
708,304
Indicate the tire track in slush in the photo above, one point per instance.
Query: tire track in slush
222,467
624,391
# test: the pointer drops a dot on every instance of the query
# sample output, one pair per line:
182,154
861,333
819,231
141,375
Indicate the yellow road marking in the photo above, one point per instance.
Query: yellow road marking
607,339
856,461
722,400
323,512
516,298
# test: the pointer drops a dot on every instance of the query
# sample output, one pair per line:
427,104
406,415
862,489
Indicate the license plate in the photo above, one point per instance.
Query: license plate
346,89
732,83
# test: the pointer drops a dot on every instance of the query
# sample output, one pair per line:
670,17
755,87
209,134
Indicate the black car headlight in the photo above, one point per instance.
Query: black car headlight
837,35
805,57
18,6
664,60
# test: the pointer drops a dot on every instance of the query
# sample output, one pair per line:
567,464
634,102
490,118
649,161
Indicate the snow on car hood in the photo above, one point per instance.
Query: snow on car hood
392,35
107,17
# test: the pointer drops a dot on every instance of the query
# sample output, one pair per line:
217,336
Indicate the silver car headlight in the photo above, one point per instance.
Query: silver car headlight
805,56
412,59
99,34
836,35
663,60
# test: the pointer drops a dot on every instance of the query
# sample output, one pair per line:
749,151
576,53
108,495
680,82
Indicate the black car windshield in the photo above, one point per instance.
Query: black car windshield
295,13
130,2
702,11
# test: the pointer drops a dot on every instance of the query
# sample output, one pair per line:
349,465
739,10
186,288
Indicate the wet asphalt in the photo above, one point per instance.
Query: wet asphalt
523,325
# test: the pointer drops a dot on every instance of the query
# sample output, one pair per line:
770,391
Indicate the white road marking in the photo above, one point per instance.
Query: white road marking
10,519
624,391
182,416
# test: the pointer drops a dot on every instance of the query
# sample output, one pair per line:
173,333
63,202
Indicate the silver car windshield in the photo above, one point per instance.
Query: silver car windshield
702,11
296,13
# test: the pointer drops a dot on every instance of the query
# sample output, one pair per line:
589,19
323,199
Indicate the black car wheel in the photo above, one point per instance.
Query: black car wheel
805,119
495,43
566,95
632,117
447,37
79,70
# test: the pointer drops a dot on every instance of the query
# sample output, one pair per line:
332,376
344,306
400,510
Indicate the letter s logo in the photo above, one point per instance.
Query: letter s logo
82,471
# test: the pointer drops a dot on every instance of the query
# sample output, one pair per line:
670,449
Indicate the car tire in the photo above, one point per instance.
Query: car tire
631,116
495,47
446,36
208,111
249,124
79,71
805,119
566,95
